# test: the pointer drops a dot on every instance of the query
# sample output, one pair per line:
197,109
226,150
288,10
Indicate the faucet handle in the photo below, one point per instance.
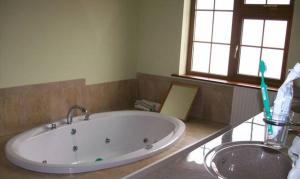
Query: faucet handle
51,126
87,116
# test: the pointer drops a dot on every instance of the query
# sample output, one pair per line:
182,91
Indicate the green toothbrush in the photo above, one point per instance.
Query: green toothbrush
264,93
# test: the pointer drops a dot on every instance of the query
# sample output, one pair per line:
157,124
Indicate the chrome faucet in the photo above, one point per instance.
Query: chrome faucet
71,113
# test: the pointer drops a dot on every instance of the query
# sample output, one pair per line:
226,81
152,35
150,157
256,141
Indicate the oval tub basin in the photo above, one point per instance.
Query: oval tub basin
105,140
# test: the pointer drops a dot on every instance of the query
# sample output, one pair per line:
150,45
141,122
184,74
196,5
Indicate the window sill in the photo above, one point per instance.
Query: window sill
215,80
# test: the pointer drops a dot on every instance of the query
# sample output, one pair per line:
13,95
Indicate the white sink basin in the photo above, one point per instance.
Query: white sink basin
247,160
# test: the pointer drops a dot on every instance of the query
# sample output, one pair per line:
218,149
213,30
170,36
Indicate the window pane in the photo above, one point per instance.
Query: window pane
273,60
252,32
255,1
219,59
274,35
259,132
205,4
243,132
201,53
222,32
278,1
249,61
224,4
203,26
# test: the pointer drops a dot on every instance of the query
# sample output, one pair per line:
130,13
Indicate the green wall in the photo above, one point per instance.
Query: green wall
294,50
160,26
99,40
55,40
161,35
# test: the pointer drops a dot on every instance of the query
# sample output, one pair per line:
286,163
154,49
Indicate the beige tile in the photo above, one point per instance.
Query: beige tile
28,106
24,107
154,88
213,102
111,96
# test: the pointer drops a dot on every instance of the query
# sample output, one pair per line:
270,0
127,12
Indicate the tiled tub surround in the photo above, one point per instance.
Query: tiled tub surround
189,163
195,130
24,107
213,102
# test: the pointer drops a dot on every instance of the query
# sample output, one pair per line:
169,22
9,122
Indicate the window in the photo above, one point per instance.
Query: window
229,37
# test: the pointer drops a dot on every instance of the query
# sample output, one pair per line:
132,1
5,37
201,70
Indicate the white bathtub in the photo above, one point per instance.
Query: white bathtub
106,140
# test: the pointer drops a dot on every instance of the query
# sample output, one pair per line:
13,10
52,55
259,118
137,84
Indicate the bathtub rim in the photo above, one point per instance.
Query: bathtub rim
12,155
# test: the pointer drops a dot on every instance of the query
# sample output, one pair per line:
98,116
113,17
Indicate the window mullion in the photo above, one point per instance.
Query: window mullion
212,33
191,36
235,39
261,45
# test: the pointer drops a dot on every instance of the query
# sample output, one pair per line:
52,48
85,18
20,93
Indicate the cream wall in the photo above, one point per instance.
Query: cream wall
54,40
294,50
99,40
161,35
160,26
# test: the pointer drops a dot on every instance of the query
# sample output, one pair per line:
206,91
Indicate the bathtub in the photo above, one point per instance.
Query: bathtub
105,140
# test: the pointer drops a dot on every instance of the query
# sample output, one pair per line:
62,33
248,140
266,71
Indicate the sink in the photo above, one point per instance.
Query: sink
247,160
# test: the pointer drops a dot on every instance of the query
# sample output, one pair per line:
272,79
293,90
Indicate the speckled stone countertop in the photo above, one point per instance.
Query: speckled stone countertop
189,163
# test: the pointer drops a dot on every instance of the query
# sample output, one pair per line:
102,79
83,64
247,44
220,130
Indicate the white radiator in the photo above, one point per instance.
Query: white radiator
246,103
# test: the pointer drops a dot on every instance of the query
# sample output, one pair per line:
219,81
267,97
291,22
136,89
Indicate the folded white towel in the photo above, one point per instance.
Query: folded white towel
140,107
147,105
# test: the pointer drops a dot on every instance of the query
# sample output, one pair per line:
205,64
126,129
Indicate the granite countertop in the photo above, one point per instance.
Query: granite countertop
189,163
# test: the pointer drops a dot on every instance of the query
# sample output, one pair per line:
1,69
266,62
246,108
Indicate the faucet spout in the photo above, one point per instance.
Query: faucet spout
71,113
